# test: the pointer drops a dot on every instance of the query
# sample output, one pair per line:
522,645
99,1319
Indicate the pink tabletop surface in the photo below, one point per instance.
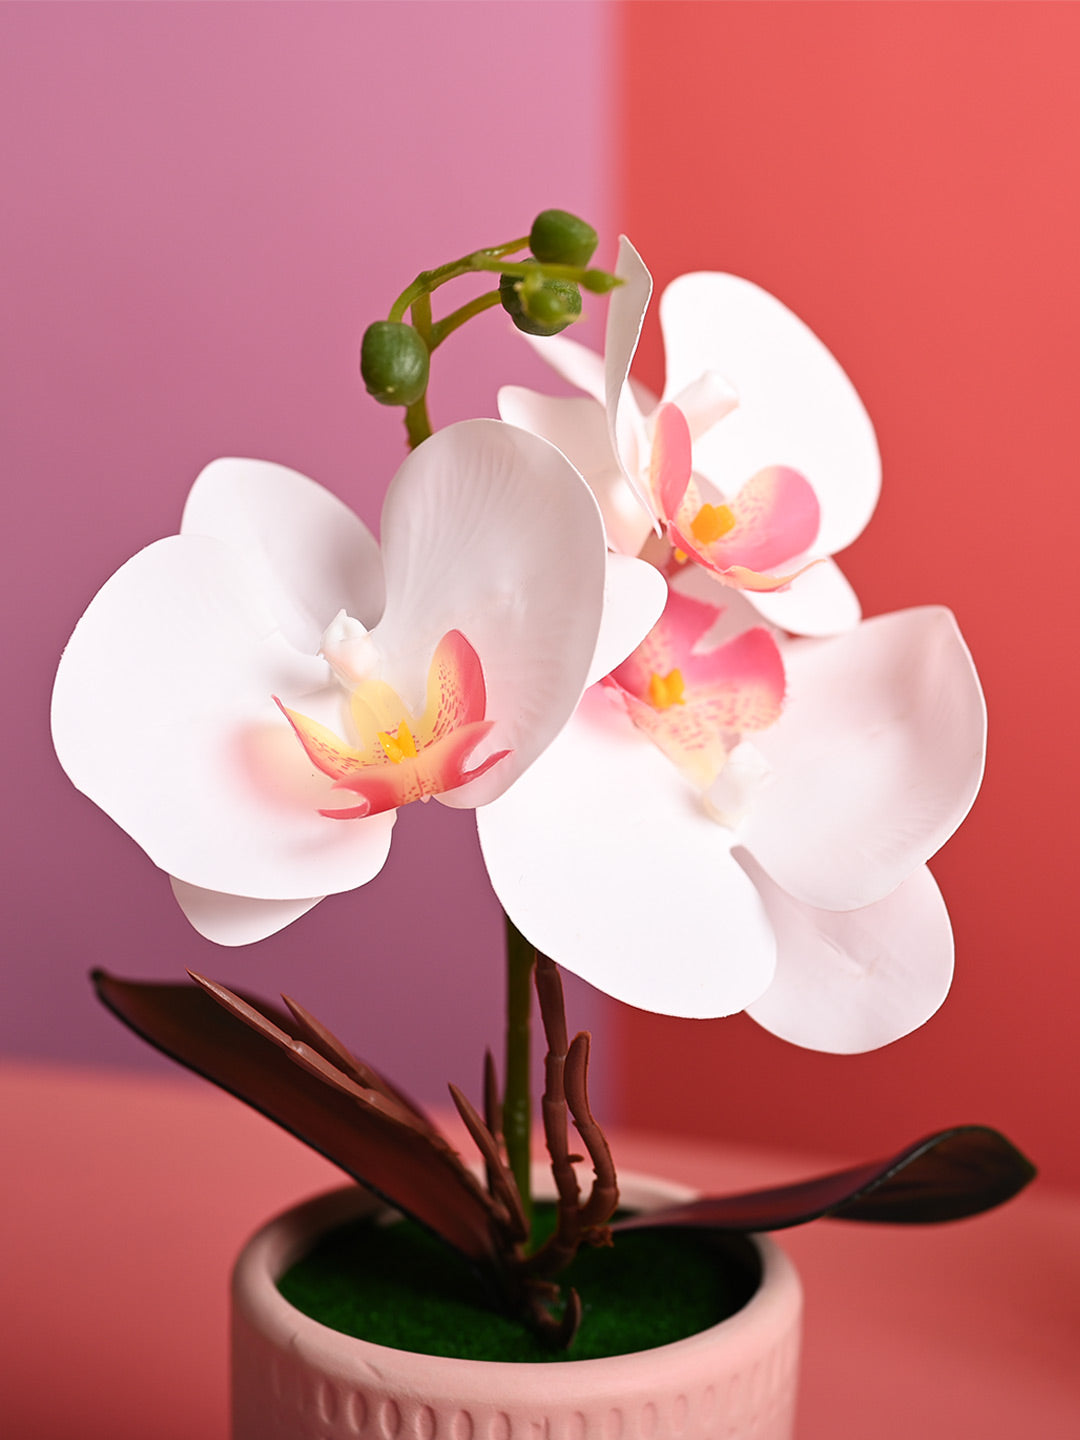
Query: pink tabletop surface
109,1332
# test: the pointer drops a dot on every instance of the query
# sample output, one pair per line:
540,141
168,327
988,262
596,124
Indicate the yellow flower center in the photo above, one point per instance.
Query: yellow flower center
711,522
398,747
666,690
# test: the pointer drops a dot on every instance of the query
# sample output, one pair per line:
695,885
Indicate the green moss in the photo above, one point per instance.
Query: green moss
396,1285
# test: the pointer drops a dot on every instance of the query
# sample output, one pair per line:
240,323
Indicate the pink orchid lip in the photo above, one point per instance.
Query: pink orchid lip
774,517
696,704
401,756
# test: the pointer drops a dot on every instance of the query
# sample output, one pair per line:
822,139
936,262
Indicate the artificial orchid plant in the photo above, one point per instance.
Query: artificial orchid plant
612,625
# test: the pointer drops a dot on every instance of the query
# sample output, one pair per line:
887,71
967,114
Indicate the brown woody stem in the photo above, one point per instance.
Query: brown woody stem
517,1100
604,1196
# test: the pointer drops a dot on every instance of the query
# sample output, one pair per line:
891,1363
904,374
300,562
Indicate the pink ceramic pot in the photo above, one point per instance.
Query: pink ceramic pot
294,1379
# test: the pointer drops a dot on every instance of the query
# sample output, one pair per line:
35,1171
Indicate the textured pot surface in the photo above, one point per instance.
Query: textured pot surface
295,1379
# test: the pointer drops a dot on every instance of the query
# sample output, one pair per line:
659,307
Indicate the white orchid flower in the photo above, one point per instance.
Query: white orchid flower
441,666
739,821
778,467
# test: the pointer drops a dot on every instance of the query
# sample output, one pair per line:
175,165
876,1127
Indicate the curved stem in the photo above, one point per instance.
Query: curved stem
407,297
421,317
523,269
429,280
442,328
517,1100
416,298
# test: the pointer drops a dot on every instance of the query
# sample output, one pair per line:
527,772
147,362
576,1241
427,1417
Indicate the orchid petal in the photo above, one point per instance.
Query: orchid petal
775,519
392,735
796,406
671,461
573,362
584,368
854,980
234,919
734,610
577,427
605,860
437,771
490,530
626,315
325,749
754,582
634,599
162,714
720,693
819,601
403,756
705,402
314,555
877,758
748,662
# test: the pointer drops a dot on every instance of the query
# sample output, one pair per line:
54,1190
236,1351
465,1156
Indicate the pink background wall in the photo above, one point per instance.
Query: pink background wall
205,205
904,176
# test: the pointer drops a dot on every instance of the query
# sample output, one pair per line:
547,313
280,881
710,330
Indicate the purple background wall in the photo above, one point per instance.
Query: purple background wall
205,205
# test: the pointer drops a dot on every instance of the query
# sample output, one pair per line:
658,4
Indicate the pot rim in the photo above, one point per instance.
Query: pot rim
282,1240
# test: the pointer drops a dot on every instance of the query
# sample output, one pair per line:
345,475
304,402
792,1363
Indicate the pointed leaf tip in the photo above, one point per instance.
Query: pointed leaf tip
949,1175
246,1047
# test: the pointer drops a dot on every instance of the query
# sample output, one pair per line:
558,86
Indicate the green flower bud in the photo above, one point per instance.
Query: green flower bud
559,238
599,282
394,362
539,306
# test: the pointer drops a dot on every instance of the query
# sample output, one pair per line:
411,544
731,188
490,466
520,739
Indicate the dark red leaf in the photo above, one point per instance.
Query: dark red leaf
308,1028
374,1137
947,1176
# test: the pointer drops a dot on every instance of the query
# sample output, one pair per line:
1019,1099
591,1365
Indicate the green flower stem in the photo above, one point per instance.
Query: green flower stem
417,420
578,274
429,280
517,1099
421,318
417,423
442,328
416,300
